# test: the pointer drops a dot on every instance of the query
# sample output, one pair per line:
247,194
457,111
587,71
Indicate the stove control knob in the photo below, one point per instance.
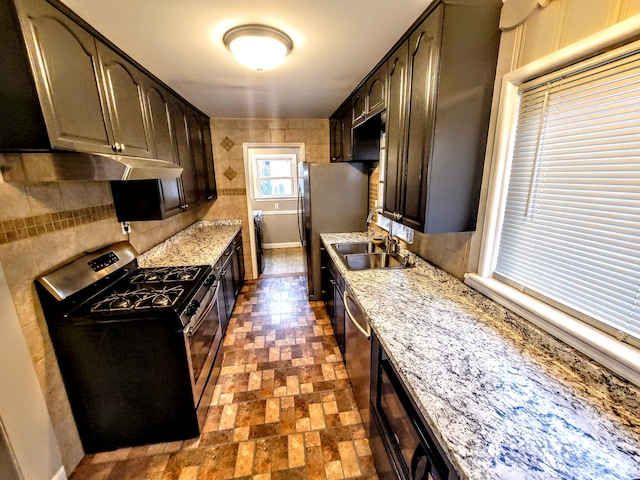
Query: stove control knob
210,280
193,307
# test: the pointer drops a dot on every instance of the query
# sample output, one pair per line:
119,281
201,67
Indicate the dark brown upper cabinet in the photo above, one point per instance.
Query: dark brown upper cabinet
200,137
370,99
65,69
397,68
71,89
340,134
180,128
438,116
169,190
432,94
124,88
211,192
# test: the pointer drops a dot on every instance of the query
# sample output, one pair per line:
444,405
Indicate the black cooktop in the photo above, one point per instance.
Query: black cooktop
149,290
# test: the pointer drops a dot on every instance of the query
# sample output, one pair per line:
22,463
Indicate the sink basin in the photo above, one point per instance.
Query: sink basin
354,247
366,261
367,255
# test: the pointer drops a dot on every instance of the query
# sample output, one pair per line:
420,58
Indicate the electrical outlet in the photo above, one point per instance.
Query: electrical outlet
276,206
126,228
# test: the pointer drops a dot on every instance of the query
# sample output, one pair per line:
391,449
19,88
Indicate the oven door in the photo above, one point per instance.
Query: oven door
203,335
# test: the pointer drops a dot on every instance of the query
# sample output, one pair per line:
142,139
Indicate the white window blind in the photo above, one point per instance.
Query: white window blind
571,228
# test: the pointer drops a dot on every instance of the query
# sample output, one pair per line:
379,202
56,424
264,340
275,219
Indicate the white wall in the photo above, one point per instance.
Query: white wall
22,406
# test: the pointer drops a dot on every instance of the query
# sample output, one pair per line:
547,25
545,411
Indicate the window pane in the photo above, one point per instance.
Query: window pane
276,188
274,168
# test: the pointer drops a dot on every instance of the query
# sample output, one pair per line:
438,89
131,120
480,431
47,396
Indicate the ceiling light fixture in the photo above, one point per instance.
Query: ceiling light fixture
258,46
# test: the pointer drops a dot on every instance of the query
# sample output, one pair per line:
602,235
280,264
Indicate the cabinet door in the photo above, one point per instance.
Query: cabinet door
338,312
358,107
197,151
346,134
66,69
240,258
424,50
125,97
212,191
178,117
335,132
397,68
376,91
158,107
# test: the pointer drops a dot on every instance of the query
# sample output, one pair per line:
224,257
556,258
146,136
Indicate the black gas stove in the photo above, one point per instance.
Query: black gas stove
135,346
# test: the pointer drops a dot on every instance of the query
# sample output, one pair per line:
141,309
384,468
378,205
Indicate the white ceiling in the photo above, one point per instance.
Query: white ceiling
336,43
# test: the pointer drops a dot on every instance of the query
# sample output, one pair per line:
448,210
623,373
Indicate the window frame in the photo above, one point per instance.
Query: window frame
620,357
256,177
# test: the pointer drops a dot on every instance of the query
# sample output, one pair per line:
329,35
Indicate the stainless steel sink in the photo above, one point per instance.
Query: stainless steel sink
367,255
366,261
355,247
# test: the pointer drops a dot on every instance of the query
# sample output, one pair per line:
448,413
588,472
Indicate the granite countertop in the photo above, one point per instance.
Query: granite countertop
506,400
199,244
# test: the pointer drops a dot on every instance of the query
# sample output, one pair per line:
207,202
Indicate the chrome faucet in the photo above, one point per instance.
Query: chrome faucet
391,241
370,216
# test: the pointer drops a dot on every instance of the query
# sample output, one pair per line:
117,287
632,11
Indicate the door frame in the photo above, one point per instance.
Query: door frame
248,177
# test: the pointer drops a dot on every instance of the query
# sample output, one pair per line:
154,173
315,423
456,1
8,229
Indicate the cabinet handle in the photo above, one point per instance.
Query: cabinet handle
333,282
397,439
418,42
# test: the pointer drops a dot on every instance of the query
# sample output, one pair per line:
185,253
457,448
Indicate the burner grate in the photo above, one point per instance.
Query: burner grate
145,298
165,275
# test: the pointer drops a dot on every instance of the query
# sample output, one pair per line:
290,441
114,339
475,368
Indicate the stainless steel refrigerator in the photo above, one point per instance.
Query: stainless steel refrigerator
332,198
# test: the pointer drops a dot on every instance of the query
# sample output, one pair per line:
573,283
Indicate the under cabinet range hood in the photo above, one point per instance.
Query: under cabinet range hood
59,166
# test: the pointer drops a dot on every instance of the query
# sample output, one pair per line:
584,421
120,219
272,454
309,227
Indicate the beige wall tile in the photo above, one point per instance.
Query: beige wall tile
48,373
18,263
97,193
311,153
315,124
317,136
277,123
14,201
74,195
294,135
324,155
44,198
260,136
35,341
277,136
296,123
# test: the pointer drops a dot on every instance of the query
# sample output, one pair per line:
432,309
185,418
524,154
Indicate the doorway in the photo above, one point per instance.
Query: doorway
272,196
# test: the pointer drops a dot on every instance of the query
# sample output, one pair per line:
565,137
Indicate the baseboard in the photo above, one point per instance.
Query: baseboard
60,475
268,246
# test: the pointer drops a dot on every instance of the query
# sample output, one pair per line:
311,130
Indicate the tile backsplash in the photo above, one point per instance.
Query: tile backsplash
28,227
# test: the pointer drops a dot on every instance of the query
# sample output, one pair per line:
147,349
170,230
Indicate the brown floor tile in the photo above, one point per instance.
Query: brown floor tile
282,407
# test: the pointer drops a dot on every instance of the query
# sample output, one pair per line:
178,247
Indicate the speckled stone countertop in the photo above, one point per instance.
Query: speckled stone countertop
506,400
199,244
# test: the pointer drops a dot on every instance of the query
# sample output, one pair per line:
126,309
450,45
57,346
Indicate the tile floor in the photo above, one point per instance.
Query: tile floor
282,407
278,261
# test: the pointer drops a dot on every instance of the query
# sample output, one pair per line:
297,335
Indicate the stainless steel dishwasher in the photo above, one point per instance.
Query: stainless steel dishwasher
357,355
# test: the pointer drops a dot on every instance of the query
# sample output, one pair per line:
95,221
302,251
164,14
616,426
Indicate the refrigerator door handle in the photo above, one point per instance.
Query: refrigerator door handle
300,234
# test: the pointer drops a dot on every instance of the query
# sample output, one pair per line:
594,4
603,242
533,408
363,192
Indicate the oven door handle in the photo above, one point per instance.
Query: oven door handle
195,324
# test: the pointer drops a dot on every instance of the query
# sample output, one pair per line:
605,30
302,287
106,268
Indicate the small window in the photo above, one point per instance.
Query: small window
275,176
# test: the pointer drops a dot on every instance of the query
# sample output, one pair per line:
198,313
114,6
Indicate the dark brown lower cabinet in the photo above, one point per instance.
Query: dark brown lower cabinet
403,445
